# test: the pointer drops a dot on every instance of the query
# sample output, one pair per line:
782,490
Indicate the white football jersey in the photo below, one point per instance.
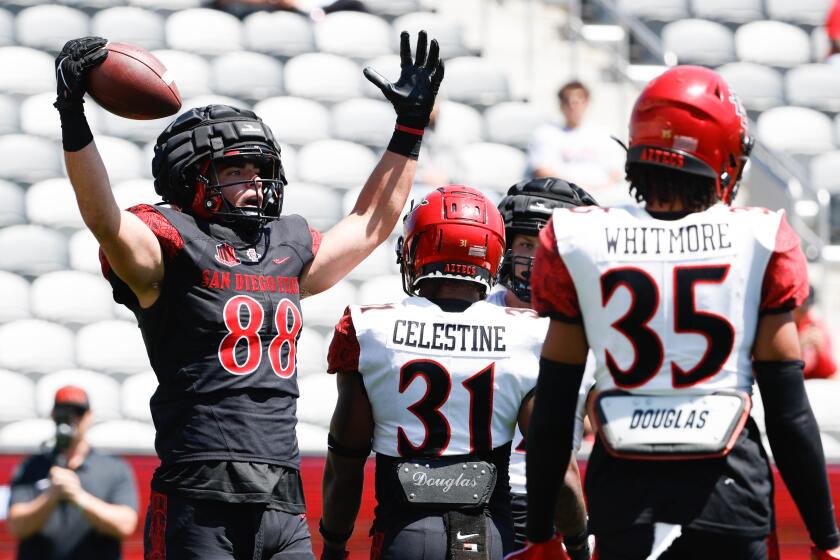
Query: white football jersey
517,452
669,304
445,383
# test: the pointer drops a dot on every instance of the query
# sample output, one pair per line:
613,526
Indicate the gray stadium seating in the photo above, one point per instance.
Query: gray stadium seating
773,43
52,203
102,391
22,346
323,77
246,75
14,304
353,34
295,120
122,436
699,41
758,86
135,392
365,121
283,34
191,72
495,167
17,399
321,206
734,11
112,347
32,250
814,85
26,71
512,123
49,26
203,31
449,35
802,12
130,24
350,164
475,81
12,205
90,301
796,130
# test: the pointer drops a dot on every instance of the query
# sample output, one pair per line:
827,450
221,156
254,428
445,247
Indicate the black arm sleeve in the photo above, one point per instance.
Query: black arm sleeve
549,442
795,440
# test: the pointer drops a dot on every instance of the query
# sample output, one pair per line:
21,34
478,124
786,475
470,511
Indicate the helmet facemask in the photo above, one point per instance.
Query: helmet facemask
268,184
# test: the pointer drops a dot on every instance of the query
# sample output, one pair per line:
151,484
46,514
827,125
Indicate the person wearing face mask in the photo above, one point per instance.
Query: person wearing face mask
71,501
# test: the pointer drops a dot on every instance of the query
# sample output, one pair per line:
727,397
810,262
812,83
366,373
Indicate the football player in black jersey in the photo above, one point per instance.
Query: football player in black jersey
215,279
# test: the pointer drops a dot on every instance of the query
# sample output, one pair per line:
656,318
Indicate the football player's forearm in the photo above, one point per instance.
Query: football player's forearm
384,195
342,489
90,182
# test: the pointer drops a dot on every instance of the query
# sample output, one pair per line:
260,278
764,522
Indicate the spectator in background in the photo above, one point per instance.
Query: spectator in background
815,341
314,9
577,151
832,30
72,502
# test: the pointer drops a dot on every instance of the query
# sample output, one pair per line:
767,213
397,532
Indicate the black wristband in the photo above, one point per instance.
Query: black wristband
75,132
334,537
406,141
578,540
342,450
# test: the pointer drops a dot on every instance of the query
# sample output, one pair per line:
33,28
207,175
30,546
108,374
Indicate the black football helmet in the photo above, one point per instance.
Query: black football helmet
194,146
526,209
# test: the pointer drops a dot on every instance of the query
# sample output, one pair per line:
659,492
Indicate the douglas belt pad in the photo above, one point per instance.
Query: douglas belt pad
467,535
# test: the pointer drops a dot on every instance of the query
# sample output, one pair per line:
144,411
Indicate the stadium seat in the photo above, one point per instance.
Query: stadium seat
17,399
384,289
52,203
458,124
819,44
800,12
382,262
773,43
365,121
759,87
318,394
26,71
130,24
321,206
50,298
325,309
84,252
730,11
92,6
390,9
389,66
824,394
191,72
103,392
312,440
475,81
27,435
113,347
825,171
512,122
167,5
7,28
38,116
282,34
353,34
324,77
49,26
132,129
32,250
491,166
123,159
220,32
814,85
836,130
449,35
796,130
122,436
12,206
28,159
246,75
14,304
349,164
23,344
295,120
135,392
9,115
289,157
655,10
311,352
135,191
699,41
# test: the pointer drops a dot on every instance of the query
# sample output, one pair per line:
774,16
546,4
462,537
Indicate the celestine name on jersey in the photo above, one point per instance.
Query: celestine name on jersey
248,282
449,337
652,240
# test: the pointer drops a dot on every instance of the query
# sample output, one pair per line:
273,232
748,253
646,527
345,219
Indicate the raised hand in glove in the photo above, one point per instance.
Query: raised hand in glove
413,94
71,67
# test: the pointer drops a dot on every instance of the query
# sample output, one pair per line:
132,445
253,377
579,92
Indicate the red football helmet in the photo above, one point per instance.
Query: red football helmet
454,232
688,119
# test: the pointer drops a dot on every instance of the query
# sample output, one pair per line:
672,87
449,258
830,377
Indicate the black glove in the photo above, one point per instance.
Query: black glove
71,67
577,546
413,94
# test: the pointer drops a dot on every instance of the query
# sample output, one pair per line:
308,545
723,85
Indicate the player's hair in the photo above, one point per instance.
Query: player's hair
650,183
568,87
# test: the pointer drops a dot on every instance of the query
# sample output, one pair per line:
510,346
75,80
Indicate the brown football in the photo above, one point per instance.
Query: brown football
134,84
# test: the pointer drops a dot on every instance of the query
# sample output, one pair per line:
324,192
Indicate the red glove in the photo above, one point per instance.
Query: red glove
817,554
548,550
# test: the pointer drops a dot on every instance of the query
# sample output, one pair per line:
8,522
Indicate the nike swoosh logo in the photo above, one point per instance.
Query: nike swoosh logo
461,537
280,261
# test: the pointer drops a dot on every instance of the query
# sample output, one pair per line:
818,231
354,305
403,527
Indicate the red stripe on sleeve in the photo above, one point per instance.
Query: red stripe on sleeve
167,235
553,292
316,240
786,277
343,355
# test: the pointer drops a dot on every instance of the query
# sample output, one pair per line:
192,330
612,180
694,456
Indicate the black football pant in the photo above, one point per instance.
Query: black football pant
637,543
425,539
179,528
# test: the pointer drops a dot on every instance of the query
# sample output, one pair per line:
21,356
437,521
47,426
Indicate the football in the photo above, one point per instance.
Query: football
134,84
